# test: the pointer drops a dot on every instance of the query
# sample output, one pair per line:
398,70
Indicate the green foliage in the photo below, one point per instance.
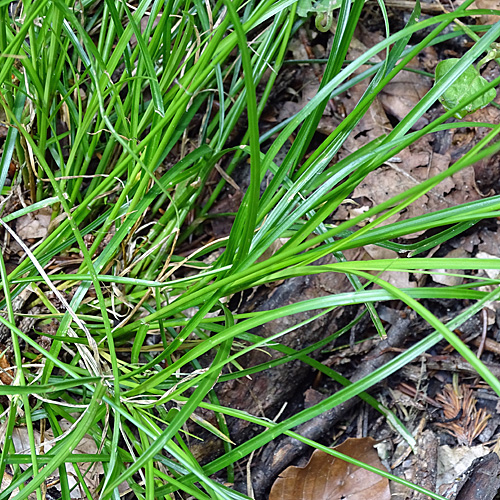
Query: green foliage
322,9
307,7
120,119
467,84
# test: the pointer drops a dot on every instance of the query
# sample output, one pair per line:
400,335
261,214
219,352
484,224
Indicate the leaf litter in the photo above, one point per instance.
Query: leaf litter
87,445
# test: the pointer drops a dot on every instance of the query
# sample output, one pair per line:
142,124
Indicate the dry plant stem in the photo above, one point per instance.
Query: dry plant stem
162,277
278,455
483,334
459,365
489,344
93,362
418,434
427,8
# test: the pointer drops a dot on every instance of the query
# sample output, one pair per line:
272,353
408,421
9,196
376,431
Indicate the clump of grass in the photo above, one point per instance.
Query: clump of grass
116,124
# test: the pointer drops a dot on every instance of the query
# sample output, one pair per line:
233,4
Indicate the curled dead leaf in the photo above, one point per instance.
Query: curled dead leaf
487,4
6,373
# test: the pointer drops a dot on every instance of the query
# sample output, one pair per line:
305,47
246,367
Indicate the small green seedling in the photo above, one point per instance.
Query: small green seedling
467,84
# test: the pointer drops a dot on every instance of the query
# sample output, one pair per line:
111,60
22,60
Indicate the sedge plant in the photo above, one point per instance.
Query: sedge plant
117,117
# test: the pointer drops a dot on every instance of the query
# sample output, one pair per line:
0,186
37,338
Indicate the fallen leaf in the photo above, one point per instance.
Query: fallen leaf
486,4
6,373
491,273
490,242
34,225
328,478
374,123
447,279
143,26
398,279
412,166
403,93
86,445
6,480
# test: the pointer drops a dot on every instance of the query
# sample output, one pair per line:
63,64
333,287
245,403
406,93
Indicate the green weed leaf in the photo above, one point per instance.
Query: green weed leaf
323,10
304,7
466,84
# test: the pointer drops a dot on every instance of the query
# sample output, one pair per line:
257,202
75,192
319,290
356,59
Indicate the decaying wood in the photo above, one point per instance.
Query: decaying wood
426,463
482,480
456,364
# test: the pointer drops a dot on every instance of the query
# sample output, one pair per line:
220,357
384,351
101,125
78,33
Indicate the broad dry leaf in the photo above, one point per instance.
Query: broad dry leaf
487,4
374,123
412,166
86,445
491,273
328,478
398,279
489,242
452,462
34,225
403,93
450,279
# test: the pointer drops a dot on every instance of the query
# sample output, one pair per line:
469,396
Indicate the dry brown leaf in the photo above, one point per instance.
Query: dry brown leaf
398,279
447,279
403,93
490,242
412,166
86,445
491,273
6,373
143,26
487,4
328,478
310,83
34,225
374,122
